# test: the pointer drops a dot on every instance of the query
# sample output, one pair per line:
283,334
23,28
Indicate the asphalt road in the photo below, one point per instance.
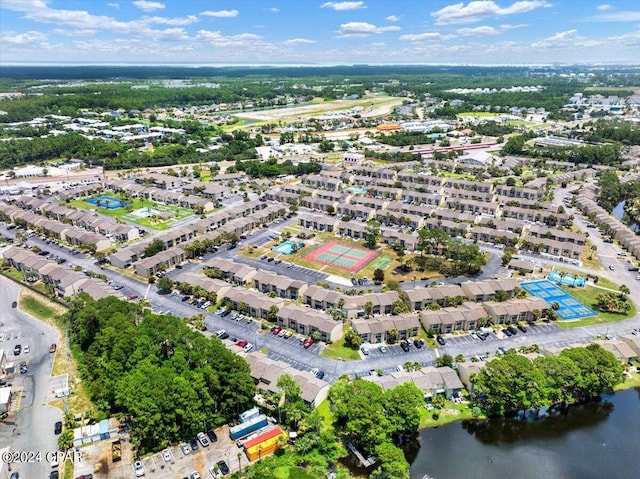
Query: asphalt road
31,427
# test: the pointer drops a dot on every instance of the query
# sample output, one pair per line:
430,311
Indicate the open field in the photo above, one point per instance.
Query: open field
586,296
128,213
374,106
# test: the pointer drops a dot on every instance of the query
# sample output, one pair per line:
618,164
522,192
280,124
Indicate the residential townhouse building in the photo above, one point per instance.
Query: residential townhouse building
306,321
515,310
409,242
449,319
452,228
284,287
468,185
377,330
162,261
431,381
485,290
252,303
211,285
489,235
517,192
235,273
421,198
317,222
420,298
539,231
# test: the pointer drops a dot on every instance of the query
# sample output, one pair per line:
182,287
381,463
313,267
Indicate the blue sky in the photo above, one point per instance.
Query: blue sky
270,32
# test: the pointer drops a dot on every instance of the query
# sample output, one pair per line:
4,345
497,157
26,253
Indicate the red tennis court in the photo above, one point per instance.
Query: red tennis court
342,256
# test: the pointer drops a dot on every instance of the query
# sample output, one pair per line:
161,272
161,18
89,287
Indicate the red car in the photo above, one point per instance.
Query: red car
131,297
307,343
276,329
242,343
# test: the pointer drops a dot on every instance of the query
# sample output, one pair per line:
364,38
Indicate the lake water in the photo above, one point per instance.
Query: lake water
618,212
597,440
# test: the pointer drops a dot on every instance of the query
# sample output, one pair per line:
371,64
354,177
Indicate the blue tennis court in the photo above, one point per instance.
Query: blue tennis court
570,307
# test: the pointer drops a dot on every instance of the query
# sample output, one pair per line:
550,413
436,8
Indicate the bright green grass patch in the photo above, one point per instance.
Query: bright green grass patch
586,296
324,409
36,308
632,382
450,413
339,349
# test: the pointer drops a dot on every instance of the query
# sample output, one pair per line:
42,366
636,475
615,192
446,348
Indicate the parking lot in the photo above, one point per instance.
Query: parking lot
179,465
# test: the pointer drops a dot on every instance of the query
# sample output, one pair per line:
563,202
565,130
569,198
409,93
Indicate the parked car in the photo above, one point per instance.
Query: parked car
224,336
26,349
14,304
195,475
248,347
53,347
223,467
365,351
383,349
167,456
440,340
522,328
507,333
220,332
203,439
288,334
212,435
276,330
194,444
418,343
138,467
512,330
307,343
405,346
131,297
242,343
57,427
185,448
17,349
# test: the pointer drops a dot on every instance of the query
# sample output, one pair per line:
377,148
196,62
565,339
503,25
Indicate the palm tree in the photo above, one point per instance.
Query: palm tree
624,289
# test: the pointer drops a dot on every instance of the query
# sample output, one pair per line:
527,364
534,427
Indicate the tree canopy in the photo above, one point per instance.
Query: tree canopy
170,380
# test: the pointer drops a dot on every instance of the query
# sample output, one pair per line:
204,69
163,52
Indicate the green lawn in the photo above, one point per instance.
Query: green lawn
478,114
37,308
339,349
632,382
324,410
124,214
586,296
450,413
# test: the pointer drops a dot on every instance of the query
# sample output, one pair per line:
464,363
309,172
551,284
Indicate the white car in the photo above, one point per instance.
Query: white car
216,474
203,439
139,468
220,332
248,348
195,475
185,448
26,349
166,455
1,336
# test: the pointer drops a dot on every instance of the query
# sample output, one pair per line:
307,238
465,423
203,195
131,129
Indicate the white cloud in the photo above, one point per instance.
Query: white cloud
273,10
617,17
560,39
603,7
177,22
342,6
114,5
483,31
427,36
22,39
507,26
147,6
478,10
393,18
298,41
363,29
220,13
75,33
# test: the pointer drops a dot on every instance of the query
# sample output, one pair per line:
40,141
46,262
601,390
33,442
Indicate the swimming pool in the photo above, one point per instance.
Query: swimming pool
287,247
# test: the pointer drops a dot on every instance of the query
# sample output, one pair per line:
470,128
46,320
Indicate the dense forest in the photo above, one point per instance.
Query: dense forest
170,380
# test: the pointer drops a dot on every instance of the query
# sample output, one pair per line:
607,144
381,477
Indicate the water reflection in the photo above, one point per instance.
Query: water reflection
498,431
